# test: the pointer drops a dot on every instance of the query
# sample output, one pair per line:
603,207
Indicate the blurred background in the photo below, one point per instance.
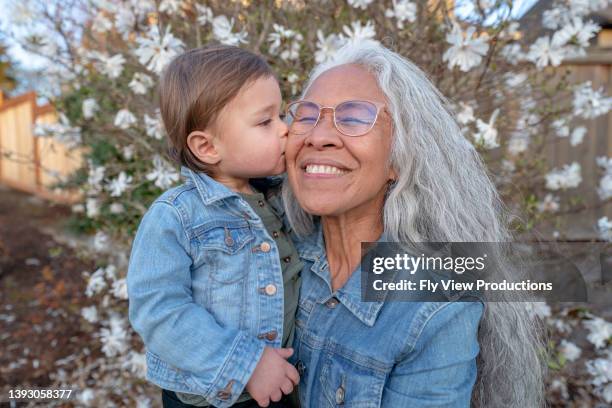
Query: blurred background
82,155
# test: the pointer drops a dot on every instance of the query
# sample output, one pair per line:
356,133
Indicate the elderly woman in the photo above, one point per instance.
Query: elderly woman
375,154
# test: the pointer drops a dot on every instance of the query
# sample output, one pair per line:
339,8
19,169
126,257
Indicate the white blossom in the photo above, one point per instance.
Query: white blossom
518,144
101,242
362,4
514,80
114,338
136,363
101,23
467,49
601,370
205,14
549,204
170,7
125,119
358,33
120,289
567,177
604,226
128,152
327,46
466,115
90,314
89,108
156,51
403,10
544,52
112,67
577,135
513,53
576,32
600,331
125,20
561,127
589,103
223,31
539,309
87,397
110,272
140,83
163,174
285,42
116,208
154,126
570,351
487,134
119,185
93,207
95,283
95,177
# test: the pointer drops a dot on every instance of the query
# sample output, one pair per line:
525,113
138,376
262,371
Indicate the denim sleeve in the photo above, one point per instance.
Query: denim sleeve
181,332
440,370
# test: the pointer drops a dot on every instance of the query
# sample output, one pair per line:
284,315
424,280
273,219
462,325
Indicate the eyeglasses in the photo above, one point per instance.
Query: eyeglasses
351,118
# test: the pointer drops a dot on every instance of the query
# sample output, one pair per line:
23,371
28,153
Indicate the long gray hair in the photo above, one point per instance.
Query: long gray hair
443,194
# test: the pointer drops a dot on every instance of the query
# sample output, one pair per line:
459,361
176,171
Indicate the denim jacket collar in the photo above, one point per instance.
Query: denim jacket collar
313,249
209,190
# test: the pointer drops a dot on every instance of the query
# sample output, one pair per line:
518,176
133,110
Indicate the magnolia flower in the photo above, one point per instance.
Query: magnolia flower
291,39
92,206
87,397
89,108
576,32
170,7
549,204
570,351
136,363
605,186
604,226
119,185
128,152
95,177
205,14
110,272
466,51
125,20
358,33
487,134
112,67
101,242
518,144
114,338
513,80
552,18
466,115
561,127
600,331
601,370
101,24
327,46
124,119
120,289
544,52
90,314
567,177
513,53
155,51
140,83
95,283
222,31
362,4
403,10
163,174
589,103
116,208
154,126
577,135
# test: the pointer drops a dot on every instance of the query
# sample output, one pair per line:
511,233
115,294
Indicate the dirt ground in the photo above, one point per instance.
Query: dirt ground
41,292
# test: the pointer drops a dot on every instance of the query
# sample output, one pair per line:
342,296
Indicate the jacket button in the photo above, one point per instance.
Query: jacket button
265,247
271,335
275,234
260,203
340,396
270,289
331,303
287,259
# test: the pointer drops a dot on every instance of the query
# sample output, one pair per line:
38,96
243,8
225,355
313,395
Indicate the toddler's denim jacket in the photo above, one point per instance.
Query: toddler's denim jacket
205,289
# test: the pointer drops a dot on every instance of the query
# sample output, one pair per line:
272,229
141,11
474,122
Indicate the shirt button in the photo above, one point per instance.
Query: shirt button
300,367
275,234
265,247
260,203
270,289
340,396
287,259
331,303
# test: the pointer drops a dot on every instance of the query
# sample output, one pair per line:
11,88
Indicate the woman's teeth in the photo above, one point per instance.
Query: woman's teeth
320,169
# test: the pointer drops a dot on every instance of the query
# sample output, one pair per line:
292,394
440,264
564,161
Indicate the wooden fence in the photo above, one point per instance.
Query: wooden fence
29,163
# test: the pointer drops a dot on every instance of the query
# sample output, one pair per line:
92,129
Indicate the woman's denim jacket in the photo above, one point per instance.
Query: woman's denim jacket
379,354
205,289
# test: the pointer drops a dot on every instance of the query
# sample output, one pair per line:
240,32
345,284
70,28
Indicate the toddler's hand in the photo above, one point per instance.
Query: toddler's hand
273,376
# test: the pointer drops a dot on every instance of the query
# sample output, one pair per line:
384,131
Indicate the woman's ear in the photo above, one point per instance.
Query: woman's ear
201,145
